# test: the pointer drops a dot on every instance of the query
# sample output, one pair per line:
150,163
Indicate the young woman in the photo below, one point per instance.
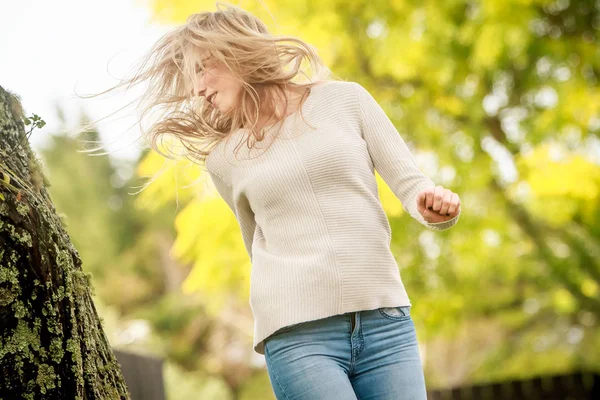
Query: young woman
295,162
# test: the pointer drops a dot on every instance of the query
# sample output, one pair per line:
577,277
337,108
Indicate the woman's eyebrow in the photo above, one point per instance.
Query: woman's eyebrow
201,63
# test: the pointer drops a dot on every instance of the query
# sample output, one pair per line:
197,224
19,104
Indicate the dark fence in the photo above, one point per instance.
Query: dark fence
143,375
144,378
576,386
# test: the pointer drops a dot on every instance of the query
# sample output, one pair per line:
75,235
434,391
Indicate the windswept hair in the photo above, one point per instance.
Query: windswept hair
265,64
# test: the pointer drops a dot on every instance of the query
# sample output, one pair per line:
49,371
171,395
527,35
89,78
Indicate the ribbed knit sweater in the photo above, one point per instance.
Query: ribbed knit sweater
309,212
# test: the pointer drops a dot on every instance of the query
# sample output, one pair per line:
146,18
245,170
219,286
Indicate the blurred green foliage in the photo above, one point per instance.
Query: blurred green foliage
498,99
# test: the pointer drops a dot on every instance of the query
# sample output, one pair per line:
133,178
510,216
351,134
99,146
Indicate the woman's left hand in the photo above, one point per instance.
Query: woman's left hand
438,204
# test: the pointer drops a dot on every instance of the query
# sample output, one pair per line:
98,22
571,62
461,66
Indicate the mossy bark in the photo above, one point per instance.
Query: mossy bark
52,345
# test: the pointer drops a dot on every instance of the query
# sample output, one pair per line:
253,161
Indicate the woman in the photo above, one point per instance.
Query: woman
332,316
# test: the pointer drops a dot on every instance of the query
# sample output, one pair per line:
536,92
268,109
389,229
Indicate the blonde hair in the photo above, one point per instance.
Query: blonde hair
265,64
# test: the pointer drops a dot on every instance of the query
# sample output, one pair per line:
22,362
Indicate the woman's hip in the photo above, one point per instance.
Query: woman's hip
356,339
370,351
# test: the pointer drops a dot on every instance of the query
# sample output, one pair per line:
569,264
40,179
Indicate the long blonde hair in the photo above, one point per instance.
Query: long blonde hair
264,64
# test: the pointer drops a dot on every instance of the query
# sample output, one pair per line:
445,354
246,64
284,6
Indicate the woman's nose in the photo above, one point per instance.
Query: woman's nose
198,90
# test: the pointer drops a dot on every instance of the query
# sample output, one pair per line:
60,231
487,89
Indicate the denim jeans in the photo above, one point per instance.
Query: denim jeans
365,355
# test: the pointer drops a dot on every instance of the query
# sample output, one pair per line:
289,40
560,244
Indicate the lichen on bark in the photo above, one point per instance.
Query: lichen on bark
52,345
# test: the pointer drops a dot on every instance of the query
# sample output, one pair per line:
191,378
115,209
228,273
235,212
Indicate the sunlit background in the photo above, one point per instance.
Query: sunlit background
499,101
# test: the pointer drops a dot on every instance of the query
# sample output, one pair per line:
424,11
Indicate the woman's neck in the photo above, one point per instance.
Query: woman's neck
266,117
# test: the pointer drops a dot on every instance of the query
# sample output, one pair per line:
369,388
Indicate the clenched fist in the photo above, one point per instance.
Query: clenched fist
438,204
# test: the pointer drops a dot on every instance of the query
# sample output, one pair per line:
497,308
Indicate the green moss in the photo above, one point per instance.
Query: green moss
63,258
7,296
17,235
19,309
26,239
22,209
49,309
29,396
77,284
23,340
9,274
73,348
58,295
46,378
56,350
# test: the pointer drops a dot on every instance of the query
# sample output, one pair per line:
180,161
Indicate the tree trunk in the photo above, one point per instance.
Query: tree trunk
52,345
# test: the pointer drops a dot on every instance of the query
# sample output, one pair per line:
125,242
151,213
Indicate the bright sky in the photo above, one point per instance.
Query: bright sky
54,49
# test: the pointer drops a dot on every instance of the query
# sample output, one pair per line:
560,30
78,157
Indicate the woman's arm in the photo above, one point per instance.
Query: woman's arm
394,162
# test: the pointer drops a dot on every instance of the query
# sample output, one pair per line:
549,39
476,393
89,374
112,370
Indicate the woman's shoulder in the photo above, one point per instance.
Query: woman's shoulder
334,91
332,85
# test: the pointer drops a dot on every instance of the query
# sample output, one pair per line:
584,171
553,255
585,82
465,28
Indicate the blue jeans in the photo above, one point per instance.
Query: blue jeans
366,355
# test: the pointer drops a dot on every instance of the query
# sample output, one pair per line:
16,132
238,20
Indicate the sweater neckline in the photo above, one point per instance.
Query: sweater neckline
305,108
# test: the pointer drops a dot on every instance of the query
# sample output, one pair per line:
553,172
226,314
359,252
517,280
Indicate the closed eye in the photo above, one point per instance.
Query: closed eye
206,63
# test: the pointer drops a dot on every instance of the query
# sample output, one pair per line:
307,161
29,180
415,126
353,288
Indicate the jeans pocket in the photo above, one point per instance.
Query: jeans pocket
396,313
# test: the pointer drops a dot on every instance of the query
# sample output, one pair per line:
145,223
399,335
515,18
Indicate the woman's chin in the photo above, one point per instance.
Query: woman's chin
224,110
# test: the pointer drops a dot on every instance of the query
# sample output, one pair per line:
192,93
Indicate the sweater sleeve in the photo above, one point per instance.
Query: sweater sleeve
392,158
241,209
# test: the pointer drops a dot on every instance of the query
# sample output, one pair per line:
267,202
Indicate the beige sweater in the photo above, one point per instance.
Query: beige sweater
309,212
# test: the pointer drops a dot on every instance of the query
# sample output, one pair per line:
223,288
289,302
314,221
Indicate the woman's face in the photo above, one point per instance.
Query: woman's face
218,85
